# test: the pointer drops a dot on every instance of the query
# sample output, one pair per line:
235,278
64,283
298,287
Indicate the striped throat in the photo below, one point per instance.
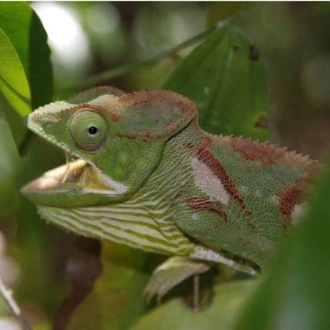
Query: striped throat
144,221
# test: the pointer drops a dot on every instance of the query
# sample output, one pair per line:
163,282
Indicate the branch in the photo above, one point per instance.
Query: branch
7,295
131,67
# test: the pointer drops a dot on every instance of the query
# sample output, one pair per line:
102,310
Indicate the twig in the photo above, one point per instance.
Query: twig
131,67
196,298
7,295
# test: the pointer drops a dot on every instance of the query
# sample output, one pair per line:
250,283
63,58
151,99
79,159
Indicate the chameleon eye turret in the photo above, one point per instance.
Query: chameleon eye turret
88,130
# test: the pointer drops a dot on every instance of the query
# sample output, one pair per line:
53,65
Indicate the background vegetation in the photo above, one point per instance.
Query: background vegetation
259,70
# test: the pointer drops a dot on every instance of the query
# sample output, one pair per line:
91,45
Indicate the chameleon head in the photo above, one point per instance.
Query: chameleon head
117,140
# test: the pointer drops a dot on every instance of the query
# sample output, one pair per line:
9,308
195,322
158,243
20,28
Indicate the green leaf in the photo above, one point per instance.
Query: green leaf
9,166
4,310
295,291
13,82
226,79
25,68
220,314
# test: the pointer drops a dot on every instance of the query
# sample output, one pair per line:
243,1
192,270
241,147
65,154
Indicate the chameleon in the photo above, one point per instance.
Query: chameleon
141,172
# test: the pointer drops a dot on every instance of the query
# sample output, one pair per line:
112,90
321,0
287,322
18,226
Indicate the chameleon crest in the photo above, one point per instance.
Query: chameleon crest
144,174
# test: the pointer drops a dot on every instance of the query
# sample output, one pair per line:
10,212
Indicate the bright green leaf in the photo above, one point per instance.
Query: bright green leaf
13,81
295,292
24,29
25,68
227,81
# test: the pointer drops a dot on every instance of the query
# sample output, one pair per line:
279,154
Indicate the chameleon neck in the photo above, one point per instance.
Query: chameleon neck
174,171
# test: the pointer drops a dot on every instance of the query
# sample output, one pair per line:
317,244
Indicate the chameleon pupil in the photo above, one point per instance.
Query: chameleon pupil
92,130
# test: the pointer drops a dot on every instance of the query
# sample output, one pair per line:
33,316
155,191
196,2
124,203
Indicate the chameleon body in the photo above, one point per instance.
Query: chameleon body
146,175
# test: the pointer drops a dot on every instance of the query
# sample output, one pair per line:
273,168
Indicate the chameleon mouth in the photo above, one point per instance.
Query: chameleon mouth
75,184
72,176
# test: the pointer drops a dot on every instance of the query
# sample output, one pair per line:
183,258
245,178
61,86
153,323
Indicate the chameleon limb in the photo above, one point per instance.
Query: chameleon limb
172,272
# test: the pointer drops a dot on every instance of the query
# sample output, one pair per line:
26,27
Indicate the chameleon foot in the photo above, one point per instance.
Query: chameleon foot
172,272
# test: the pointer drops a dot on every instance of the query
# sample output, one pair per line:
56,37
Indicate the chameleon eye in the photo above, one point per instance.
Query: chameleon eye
88,130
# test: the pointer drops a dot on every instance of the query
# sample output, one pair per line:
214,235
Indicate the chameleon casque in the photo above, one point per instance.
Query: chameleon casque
146,175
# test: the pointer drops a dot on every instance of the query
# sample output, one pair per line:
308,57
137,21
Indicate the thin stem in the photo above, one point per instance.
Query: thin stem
7,295
196,297
131,67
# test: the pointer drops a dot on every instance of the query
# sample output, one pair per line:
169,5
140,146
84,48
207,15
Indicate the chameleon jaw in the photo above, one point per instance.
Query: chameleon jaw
72,176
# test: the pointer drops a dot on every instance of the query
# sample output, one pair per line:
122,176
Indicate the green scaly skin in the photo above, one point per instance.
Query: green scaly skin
149,177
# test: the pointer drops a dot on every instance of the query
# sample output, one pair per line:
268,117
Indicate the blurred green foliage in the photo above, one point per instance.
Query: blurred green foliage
221,314
212,86
282,45
25,69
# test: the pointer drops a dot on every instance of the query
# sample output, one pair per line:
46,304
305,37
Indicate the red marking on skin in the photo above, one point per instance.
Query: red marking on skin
198,203
217,168
129,136
114,117
147,135
312,168
171,126
186,106
161,100
289,197
206,142
257,151
244,241
167,111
